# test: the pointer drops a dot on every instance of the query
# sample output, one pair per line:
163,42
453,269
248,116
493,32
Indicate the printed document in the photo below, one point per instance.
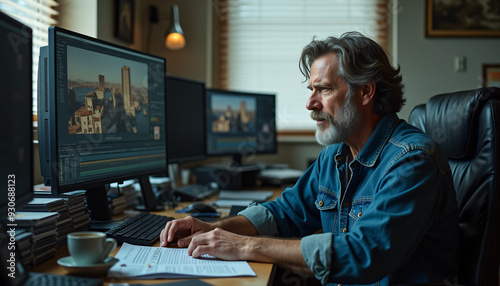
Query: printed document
146,262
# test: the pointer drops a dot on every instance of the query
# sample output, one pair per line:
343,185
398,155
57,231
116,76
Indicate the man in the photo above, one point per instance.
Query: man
381,191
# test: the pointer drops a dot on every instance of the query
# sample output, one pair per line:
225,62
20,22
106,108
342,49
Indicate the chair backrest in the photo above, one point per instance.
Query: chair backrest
467,124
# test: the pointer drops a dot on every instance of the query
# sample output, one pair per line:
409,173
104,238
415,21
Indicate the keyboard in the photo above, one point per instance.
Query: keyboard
142,229
194,192
43,279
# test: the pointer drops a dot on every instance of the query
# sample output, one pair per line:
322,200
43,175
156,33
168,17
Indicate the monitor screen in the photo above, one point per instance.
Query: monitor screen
185,120
101,113
16,141
240,123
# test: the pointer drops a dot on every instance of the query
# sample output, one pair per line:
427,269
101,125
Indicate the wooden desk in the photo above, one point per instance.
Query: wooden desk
264,271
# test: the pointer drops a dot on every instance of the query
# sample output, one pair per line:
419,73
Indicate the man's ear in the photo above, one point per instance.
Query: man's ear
368,93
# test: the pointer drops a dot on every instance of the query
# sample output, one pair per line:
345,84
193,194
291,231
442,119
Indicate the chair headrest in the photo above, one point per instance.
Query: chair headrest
452,119
417,117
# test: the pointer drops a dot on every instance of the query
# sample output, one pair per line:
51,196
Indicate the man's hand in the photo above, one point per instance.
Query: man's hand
183,230
221,244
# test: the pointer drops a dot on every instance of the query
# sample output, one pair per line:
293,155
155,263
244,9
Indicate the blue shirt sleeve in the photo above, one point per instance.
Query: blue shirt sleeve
261,219
317,253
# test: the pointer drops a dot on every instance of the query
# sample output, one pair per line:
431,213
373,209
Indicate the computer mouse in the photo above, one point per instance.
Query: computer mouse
200,208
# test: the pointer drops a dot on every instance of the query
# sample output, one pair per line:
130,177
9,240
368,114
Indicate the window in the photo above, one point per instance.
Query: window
261,42
39,15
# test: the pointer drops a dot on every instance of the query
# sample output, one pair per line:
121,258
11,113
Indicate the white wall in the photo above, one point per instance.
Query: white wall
427,64
79,16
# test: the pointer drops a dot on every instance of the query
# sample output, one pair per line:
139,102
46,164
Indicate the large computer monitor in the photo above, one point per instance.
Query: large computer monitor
16,141
185,120
101,117
240,124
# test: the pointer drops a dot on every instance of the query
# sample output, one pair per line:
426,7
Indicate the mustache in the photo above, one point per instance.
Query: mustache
318,115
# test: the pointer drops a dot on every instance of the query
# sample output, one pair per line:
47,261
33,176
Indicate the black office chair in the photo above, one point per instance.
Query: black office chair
467,125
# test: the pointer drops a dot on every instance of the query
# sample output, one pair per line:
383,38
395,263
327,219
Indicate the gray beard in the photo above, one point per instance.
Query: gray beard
346,120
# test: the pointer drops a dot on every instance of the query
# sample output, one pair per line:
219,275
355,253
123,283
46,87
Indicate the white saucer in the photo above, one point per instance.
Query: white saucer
98,269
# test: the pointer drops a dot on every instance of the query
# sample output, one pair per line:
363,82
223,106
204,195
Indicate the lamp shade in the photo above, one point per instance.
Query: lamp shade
175,41
175,36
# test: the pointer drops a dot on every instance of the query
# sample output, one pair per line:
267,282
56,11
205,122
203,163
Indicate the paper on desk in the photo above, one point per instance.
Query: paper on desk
145,262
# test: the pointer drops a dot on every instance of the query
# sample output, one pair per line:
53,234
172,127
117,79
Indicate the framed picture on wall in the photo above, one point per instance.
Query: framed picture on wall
462,18
124,20
491,75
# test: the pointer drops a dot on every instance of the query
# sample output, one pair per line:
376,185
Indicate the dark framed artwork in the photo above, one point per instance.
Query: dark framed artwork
491,75
462,18
124,20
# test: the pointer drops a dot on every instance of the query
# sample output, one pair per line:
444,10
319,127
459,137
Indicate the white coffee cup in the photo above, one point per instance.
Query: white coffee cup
89,247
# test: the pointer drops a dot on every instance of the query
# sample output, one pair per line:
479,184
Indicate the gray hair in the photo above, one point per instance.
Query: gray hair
361,61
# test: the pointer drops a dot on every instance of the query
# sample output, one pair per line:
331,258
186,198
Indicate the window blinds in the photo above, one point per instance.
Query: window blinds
39,15
261,42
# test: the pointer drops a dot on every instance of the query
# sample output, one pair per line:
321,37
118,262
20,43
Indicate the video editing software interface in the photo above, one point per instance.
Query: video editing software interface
110,105
185,120
240,123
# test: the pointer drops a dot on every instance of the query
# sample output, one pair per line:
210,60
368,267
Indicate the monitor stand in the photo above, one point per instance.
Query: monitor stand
97,202
150,201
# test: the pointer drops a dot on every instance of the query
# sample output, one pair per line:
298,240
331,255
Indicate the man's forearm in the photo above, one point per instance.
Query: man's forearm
285,253
238,224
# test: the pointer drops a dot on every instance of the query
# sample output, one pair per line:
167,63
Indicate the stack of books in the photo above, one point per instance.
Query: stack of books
77,208
23,245
46,204
76,205
42,226
128,191
117,203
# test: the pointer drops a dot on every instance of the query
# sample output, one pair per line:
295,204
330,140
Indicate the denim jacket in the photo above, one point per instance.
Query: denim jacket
394,222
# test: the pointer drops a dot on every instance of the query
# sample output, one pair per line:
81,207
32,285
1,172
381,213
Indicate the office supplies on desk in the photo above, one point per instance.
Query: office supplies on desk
254,195
280,176
142,229
230,203
201,211
144,262
199,208
195,192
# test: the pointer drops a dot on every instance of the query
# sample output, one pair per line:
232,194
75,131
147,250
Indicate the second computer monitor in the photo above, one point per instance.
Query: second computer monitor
185,120
240,124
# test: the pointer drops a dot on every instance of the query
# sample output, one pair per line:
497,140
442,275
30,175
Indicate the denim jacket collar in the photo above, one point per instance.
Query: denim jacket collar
373,147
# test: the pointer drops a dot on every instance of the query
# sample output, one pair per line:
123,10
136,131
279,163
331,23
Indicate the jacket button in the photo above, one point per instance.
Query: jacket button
344,230
321,203
346,204
360,214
